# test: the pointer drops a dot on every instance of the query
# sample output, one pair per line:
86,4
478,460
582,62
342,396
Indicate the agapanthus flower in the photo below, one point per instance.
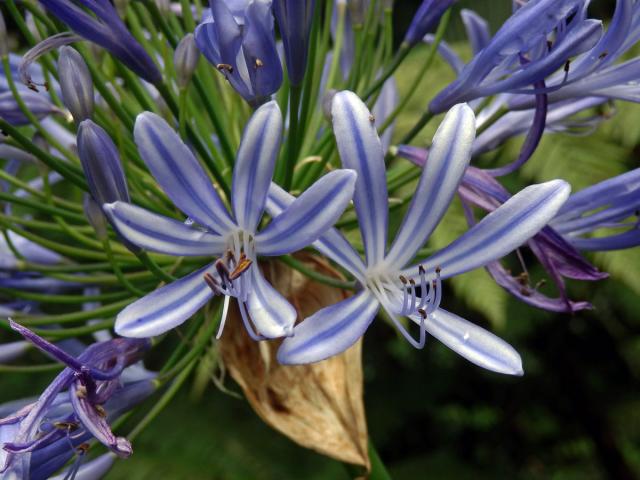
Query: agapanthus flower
389,278
235,237
243,51
41,437
537,40
559,258
107,30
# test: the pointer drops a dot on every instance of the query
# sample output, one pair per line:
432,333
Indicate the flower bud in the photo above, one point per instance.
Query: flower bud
294,19
185,60
76,84
426,18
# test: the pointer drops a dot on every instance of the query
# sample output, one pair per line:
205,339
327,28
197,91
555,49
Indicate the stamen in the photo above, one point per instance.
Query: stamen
243,265
247,324
223,320
212,283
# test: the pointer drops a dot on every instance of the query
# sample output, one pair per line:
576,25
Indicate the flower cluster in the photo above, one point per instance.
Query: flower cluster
144,190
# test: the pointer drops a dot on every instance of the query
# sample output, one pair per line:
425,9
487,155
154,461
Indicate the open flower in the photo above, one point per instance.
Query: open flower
414,291
234,237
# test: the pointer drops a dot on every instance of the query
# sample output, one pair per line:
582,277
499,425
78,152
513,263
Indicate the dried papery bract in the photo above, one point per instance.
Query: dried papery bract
319,405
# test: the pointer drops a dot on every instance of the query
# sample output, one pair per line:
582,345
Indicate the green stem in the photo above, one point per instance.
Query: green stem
318,277
291,153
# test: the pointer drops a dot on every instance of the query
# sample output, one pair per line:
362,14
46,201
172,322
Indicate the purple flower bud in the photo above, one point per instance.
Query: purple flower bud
426,18
96,218
101,164
185,60
76,84
294,19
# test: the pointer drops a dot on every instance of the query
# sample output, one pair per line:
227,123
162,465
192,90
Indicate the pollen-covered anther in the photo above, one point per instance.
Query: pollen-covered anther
101,411
224,67
243,265
259,63
68,426
82,448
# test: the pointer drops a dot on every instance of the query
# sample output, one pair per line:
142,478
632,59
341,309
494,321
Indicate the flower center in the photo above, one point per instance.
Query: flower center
406,297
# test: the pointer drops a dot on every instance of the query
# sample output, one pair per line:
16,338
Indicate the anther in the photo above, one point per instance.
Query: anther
421,269
603,55
212,283
259,63
82,448
101,411
438,270
224,67
68,426
243,265
403,279
422,313
372,118
81,392
567,65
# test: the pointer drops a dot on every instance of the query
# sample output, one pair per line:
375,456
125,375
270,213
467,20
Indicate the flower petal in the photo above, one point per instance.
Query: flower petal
157,233
448,159
255,162
332,243
360,150
500,232
329,331
179,173
309,216
477,29
474,343
166,307
271,313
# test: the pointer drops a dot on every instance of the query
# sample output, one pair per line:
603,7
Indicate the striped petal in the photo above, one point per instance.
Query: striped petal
500,232
166,307
477,29
271,313
161,234
329,331
360,149
179,173
255,162
448,159
473,342
332,243
308,216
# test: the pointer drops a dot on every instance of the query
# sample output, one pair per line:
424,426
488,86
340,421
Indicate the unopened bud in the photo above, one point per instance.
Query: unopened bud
101,164
76,84
185,60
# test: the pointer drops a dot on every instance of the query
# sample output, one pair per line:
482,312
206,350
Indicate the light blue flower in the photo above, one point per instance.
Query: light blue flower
388,277
233,236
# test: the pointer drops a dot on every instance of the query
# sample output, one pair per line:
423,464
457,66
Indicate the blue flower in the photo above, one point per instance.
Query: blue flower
107,30
555,253
41,437
243,51
235,236
294,19
388,278
522,54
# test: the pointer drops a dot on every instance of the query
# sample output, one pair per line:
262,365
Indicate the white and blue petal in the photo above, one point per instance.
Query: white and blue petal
360,149
448,159
332,243
500,232
166,307
255,163
472,342
308,216
271,313
179,173
161,234
329,331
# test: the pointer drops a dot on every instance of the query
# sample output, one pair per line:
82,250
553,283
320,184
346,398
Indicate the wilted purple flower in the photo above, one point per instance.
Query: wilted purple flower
243,51
41,437
234,237
107,30
425,19
294,19
388,278
558,257
537,40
